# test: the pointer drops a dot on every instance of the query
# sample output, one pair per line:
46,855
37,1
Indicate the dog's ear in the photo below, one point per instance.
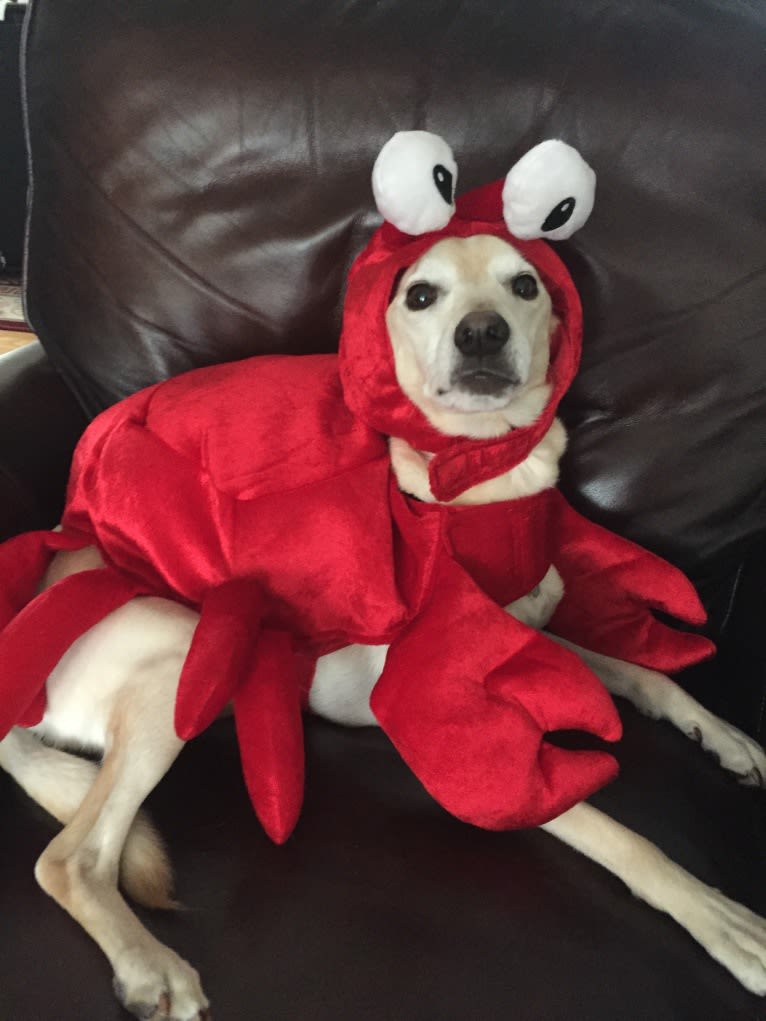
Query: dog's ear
413,182
549,193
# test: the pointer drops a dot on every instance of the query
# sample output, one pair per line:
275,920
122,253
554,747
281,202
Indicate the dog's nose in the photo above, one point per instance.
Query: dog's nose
481,333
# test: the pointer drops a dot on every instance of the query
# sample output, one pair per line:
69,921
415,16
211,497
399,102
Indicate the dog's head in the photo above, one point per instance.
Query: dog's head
470,325
461,327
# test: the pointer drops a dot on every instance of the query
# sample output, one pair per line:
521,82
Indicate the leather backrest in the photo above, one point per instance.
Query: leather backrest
201,186
12,162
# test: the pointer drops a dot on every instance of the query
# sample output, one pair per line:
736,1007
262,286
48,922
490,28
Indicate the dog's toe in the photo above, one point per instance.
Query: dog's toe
142,1011
154,984
753,778
731,748
733,935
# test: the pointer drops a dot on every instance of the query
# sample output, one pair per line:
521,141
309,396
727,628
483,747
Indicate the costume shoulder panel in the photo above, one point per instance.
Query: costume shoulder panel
241,423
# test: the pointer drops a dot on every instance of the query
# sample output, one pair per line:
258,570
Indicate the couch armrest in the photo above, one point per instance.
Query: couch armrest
40,423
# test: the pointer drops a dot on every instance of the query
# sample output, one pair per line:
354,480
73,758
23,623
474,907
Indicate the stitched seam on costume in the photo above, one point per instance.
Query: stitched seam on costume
325,479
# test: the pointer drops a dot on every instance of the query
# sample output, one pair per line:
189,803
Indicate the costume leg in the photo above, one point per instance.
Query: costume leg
611,588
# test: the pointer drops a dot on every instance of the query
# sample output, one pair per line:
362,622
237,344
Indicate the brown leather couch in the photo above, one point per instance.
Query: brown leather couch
12,161
200,185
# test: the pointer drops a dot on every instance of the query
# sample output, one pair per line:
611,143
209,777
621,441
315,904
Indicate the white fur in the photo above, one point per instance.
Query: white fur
470,274
538,472
115,690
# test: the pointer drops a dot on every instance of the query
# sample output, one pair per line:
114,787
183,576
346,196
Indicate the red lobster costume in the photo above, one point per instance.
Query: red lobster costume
262,494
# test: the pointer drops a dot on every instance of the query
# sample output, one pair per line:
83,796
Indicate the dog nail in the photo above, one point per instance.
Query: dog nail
163,1005
143,1011
696,735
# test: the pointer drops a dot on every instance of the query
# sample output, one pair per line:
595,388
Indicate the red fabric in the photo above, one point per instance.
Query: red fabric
610,587
36,630
467,696
272,756
261,493
366,360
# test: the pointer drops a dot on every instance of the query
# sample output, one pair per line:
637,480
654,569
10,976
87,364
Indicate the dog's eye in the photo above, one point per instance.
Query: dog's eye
524,286
420,296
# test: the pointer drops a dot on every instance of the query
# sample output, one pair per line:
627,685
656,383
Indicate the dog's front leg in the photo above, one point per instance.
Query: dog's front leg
657,696
729,932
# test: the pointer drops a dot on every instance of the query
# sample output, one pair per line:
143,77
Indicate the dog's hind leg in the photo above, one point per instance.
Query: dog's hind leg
656,695
729,932
79,868
55,779
59,781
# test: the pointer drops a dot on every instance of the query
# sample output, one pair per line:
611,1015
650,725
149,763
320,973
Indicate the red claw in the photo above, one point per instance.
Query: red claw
468,701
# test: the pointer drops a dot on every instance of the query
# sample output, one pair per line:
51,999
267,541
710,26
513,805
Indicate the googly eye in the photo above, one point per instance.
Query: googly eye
549,193
414,181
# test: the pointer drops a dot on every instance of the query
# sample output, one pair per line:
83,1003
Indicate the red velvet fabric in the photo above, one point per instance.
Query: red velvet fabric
261,493
366,360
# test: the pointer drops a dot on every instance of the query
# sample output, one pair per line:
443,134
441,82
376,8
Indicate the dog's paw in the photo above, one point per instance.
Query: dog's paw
734,750
733,935
155,984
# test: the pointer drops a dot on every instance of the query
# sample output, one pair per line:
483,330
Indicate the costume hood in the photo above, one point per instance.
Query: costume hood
367,369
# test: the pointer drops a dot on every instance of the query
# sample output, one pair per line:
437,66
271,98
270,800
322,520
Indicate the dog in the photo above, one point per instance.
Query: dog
470,324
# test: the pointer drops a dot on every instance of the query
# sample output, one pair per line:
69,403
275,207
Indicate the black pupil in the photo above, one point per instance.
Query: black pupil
420,296
525,286
559,215
443,182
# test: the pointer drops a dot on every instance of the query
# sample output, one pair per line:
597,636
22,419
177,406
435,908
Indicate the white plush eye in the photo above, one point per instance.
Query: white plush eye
549,193
414,180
